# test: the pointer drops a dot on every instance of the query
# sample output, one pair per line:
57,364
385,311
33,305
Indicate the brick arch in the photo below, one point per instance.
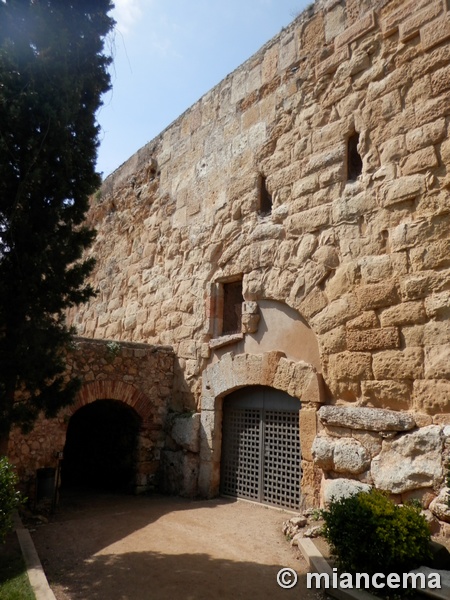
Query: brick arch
146,463
231,372
113,390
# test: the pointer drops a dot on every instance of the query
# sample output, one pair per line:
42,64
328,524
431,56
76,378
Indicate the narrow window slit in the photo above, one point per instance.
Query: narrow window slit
354,160
265,199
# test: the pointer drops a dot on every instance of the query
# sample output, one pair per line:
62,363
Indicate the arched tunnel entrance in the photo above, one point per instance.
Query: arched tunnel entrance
101,447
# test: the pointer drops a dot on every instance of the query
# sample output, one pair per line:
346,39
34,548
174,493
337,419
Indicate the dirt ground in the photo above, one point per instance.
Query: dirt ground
111,547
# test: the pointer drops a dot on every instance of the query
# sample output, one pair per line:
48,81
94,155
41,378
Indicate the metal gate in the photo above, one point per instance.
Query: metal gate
261,447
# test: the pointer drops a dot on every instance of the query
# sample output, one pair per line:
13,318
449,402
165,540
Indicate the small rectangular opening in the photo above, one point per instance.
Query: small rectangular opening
354,160
232,307
265,199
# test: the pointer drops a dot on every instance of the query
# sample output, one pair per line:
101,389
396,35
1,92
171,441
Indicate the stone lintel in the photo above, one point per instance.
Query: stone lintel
370,419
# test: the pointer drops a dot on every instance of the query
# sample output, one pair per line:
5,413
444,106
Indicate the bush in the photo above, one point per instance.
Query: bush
10,499
368,533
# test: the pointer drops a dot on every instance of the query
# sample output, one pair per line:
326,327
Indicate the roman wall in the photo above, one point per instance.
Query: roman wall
316,176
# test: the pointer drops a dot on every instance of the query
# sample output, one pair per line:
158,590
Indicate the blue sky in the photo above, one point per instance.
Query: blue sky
168,53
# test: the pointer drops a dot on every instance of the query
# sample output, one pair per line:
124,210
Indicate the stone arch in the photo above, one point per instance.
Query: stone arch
231,372
147,459
113,390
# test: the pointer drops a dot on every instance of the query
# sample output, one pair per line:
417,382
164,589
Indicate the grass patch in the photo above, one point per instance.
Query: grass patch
14,583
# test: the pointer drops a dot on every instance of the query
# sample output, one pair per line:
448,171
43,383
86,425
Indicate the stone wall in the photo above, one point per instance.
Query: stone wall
138,375
362,259
359,448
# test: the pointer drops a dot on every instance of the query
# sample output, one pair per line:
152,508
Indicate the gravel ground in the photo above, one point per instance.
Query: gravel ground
111,547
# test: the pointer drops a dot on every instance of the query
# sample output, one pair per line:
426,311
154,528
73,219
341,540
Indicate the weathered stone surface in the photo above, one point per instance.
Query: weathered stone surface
371,419
387,394
333,341
405,313
335,489
357,30
343,455
403,189
335,314
437,362
435,32
370,440
432,396
431,133
432,256
180,473
411,26
398,364
410,461
350,365
377,295
313,532
373,339
439,506
366,320
186,431
308,431
419,161
438,305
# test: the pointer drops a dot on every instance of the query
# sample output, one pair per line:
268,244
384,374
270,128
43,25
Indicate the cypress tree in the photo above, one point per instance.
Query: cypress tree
53,72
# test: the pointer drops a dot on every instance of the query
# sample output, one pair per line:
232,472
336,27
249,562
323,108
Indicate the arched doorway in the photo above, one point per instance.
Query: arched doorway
261,457
101,447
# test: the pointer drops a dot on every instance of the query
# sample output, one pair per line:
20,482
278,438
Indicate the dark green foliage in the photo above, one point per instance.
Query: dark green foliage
10,499
368,533
52,74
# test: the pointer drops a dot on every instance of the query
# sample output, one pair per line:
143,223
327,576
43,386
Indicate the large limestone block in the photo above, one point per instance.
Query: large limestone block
406,313
322,452
373,339
350,365
403,188
343,455
420,161
432,255
390,394
438,305
437,362
370,419
376,295
431,133
335,489
439,506
411,461
186,430
398,364
336,313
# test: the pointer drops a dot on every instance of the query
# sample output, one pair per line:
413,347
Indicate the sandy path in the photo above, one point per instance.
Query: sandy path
109,547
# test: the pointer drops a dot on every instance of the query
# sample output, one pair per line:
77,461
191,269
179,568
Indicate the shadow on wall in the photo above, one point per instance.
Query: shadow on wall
183,398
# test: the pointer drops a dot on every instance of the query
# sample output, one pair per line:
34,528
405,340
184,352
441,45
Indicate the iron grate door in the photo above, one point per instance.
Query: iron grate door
261,447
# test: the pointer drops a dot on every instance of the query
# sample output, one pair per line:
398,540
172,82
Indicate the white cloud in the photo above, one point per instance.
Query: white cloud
126,13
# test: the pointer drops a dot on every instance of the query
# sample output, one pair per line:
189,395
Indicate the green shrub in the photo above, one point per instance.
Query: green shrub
368,533
10,499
